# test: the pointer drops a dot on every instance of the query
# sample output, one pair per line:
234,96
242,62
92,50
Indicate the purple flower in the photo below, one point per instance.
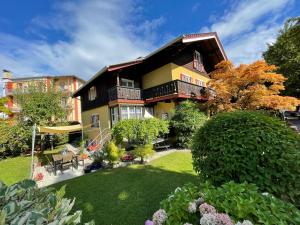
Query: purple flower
223,219
148,222
159,217
206,208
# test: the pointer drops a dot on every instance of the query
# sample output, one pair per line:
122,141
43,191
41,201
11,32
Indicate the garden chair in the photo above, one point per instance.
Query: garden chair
49,167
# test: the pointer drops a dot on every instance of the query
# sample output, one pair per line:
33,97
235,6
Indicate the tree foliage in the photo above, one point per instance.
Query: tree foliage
143,151
24,203
40,104
253,86
249,146
139,131
285,54
185,121
112,152
3,107
15,138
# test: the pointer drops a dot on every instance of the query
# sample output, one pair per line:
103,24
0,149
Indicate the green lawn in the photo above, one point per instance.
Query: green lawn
15,169
128,196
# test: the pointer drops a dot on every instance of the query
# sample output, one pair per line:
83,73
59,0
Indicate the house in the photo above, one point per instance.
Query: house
152,85
67,84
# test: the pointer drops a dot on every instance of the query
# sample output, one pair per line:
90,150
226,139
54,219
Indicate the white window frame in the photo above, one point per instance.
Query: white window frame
198,62
95,124
126,82
129,114
92,93
186,78
200,83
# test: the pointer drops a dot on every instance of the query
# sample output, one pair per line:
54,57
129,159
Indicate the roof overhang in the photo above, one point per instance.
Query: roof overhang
185,39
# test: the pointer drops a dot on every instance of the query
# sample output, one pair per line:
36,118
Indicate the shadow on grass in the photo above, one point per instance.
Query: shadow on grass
124,196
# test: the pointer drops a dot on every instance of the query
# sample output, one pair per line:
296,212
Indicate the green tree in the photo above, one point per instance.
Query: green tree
143,151
113,153
40,104
285,54
139,132
186,120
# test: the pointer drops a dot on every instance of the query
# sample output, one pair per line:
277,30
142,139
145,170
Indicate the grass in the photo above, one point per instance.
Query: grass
14,169
129,196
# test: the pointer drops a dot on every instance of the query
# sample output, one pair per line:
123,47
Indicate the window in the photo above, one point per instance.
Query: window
186,78
131,112
127,83
95,120
62,86
114,115
92,93
200,83
198,62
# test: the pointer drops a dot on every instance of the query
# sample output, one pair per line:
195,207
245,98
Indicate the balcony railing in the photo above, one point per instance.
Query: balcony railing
175,87
119,92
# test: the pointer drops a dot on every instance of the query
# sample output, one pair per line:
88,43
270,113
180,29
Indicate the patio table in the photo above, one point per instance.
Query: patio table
61,159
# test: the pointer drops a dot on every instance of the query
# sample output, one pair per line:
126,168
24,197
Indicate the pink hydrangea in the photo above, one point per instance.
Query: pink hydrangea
223,219
148,222
159,217
206,208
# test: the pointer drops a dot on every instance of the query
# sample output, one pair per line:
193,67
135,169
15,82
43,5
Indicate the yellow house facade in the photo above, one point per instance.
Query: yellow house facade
151,86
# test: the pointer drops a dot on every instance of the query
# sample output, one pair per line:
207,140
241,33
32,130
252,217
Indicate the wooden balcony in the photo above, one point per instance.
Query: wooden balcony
176,88
119,92
172,89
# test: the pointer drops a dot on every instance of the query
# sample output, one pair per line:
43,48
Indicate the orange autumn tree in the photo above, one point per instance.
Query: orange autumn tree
253,86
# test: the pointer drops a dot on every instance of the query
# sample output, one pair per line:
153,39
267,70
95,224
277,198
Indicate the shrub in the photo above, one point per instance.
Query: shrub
139,132
177,203
186,120
113,153
24,203
226,205
243,201
143,151
249,146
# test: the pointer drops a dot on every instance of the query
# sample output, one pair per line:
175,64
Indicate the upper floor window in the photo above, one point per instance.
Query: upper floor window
62,86
92,93
201,83
127,83
186,78
198,62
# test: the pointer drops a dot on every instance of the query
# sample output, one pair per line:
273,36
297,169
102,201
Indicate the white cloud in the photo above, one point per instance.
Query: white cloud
98,33
248,26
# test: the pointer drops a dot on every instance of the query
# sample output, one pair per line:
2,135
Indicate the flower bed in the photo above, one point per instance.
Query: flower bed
230,204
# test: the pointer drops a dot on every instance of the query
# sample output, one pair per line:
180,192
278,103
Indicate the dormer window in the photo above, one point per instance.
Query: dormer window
198,62
92,93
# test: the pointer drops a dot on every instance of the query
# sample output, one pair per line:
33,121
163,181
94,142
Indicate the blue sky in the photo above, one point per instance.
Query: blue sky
79,37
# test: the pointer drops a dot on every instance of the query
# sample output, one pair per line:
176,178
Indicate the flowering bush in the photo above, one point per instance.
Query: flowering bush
39,177
229,204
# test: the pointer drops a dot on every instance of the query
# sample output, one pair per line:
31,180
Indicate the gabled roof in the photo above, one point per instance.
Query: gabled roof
184,39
